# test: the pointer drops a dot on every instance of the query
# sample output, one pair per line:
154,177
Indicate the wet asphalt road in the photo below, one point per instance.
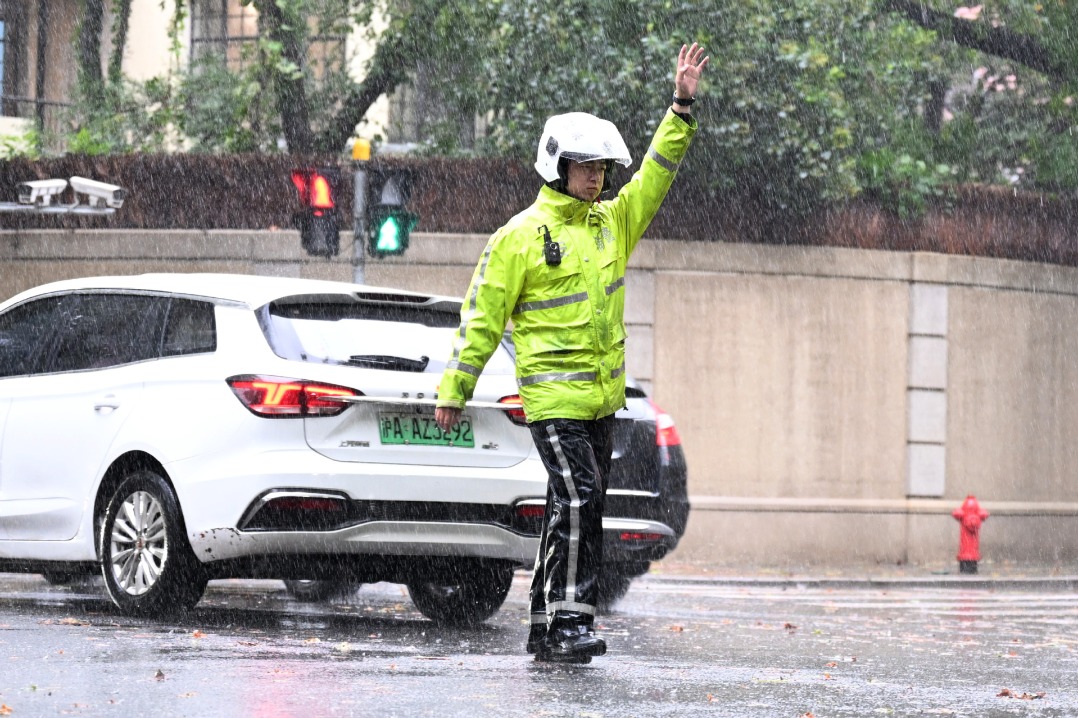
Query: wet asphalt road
677,648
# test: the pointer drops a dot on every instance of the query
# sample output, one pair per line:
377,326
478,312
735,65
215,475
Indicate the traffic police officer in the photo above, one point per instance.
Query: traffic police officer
557,270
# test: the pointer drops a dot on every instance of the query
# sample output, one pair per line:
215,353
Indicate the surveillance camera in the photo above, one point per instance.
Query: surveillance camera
99,193
40,191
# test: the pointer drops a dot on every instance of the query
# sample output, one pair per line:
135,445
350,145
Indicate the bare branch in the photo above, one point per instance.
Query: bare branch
998,41
386,72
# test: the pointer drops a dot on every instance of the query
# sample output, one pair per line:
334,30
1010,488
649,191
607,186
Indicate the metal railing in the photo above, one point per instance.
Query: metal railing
48,114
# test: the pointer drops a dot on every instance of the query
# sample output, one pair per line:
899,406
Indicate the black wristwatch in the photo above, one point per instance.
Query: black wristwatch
683,102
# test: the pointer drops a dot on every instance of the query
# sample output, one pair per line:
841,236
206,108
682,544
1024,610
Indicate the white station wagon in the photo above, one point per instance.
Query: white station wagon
170,429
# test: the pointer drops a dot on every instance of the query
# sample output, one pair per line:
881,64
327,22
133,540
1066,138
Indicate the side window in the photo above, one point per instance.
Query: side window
103,330
191,328
25,331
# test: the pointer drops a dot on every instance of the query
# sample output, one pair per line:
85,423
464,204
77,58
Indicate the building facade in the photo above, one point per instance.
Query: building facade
39,70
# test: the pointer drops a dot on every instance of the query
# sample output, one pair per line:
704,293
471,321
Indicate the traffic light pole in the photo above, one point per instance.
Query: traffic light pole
361,154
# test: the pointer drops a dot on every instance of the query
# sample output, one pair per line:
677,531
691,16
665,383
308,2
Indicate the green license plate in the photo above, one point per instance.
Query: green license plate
401,429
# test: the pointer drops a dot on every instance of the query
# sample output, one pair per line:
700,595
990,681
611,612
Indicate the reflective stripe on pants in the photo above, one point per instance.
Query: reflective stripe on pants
577,457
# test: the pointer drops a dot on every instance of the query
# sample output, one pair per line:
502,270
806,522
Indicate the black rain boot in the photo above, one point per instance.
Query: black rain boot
570,641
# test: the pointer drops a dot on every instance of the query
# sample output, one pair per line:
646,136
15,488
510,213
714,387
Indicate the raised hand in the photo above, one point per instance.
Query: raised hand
690,67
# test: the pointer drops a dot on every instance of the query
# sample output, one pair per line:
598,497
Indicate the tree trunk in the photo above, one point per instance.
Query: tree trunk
291,92
122,20
934,106
90,27
394,60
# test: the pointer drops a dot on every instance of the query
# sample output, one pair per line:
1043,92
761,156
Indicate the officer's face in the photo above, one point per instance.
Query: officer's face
585,179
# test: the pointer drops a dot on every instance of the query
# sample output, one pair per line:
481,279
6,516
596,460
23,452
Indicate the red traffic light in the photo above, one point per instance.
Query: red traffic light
315,187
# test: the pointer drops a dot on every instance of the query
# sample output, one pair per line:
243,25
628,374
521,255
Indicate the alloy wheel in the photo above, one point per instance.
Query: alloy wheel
139,543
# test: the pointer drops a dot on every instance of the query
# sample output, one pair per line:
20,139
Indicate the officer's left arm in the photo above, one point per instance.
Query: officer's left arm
639,200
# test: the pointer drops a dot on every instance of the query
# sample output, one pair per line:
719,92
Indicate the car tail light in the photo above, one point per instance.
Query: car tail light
528,515
299,503
516,416
280,398
637,536
526,511
297,510
665,430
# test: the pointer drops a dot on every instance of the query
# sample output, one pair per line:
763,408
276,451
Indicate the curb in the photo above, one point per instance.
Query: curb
1027,583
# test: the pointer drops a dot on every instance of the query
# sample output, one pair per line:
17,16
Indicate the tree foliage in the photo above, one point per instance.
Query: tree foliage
805,101
1013,99
797,90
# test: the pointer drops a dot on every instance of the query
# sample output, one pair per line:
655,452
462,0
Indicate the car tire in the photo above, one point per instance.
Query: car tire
146,560
318,591
469,602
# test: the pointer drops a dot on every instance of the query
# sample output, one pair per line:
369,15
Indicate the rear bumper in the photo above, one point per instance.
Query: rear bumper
632,540
381,538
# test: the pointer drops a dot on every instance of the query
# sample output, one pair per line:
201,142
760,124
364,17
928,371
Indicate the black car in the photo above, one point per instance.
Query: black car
647,499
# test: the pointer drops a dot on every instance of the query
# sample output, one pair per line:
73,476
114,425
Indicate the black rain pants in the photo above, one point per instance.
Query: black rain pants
577,456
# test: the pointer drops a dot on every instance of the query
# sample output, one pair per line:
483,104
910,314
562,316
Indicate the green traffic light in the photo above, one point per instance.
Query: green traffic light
390,227
389,236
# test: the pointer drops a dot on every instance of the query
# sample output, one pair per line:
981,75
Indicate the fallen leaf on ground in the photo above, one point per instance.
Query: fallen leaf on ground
6,710
677,629
1008,693
830,664
789,626
160,675
198,634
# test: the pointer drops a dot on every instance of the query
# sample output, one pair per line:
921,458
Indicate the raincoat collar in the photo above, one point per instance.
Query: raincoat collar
562,206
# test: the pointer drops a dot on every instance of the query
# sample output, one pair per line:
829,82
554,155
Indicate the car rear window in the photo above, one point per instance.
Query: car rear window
190,329
339,332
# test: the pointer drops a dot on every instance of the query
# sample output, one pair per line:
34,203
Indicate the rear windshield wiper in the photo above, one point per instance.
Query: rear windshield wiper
392,363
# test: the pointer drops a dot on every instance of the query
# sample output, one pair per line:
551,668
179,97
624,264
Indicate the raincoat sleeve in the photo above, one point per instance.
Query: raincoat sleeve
487,306
639,200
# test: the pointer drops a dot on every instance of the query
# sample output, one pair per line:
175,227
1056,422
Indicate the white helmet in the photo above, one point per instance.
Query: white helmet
580,137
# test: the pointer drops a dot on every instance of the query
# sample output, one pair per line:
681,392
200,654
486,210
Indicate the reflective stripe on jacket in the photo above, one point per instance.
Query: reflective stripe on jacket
568,320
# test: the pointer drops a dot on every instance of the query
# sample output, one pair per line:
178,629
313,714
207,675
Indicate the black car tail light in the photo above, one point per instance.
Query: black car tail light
639,536
665,430
516,416
275,397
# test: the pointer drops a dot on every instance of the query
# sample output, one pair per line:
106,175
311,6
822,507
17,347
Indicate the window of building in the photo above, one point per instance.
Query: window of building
228,30
223,29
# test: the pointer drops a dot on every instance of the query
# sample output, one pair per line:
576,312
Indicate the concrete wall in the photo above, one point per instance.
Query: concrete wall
835,405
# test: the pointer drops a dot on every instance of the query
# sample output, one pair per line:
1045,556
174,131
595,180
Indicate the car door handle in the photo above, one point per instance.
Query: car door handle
108,403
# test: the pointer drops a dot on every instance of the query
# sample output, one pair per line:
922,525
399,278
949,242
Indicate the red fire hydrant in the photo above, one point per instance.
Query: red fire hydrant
970,516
